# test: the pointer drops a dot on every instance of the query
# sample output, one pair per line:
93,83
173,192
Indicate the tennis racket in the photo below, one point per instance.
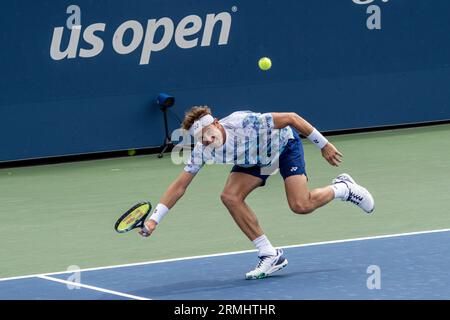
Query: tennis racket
133,218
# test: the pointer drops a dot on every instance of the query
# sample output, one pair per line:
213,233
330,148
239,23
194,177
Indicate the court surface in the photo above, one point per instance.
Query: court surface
58,216
409,266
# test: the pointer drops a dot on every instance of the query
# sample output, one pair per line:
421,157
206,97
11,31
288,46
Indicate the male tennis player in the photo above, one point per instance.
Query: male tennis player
243,138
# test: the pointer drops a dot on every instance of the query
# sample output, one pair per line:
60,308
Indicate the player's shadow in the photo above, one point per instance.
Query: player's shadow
206,285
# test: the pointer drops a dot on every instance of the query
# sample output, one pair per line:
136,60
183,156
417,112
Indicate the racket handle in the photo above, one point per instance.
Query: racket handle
145,230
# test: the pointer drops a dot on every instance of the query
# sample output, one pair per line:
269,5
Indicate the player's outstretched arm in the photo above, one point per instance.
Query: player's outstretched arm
329,151
173,193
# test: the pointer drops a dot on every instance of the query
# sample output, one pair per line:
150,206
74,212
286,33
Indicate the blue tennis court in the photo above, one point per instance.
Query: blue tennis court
410,266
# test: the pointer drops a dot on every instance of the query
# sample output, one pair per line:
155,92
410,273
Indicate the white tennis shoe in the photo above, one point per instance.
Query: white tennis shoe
267,265
357,194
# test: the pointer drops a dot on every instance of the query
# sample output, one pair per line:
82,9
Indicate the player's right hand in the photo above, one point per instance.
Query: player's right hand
150,226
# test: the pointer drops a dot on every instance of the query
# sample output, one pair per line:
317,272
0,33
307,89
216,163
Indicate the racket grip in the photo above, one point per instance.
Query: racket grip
145,230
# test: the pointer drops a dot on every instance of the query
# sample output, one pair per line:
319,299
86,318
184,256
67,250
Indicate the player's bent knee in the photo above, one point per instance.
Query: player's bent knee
301,208
229,199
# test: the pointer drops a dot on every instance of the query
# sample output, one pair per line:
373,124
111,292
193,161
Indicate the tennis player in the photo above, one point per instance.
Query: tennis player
247,136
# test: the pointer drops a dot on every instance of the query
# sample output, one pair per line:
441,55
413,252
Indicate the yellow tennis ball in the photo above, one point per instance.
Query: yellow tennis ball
265,63
131,152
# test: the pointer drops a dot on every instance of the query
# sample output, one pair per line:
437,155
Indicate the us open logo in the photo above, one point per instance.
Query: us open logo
188,33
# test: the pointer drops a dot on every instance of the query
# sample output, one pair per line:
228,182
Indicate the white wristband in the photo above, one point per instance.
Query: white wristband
317,138
159,213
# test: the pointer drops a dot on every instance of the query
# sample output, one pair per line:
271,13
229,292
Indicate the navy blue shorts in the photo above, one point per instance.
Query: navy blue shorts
291,162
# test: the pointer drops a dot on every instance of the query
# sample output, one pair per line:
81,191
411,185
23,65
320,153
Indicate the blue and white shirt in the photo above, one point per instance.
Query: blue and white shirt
251,139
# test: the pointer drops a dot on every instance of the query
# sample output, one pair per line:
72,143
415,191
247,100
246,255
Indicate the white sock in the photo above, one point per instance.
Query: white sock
340,190
264,246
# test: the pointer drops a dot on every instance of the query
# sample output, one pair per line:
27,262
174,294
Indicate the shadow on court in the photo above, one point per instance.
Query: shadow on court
204,286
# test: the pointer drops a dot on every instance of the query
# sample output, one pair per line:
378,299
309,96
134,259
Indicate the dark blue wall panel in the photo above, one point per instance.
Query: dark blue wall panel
327,66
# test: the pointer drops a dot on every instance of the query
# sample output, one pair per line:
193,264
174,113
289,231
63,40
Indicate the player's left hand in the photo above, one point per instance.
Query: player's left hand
331,154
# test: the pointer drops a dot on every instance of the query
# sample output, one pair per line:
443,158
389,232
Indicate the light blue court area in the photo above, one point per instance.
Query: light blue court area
41,289
410,266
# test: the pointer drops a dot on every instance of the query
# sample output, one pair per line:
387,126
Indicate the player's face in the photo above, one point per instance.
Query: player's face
212,136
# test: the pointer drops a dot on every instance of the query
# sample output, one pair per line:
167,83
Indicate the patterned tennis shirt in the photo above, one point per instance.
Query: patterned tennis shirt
251,139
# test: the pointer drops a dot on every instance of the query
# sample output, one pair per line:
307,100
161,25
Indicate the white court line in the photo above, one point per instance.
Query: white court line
229,253
116,293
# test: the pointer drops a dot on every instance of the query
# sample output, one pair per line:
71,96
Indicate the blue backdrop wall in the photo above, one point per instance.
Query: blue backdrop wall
340,63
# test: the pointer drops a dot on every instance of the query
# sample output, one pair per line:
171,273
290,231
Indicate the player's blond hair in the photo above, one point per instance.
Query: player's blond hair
193,115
